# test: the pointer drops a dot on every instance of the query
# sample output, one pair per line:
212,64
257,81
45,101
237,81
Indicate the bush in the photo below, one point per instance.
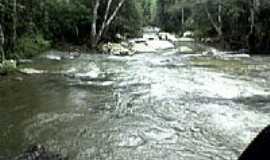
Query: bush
29,46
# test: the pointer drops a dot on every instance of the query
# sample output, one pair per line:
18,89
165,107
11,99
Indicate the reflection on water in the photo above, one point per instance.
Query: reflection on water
149,106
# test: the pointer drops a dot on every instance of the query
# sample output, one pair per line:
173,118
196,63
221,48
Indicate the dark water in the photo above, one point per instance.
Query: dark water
148,106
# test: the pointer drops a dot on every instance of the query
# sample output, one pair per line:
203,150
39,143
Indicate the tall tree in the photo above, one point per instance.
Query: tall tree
96,35
2,41
14,23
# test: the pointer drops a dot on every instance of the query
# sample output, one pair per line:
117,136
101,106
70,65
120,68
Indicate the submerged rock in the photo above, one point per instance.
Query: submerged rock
39,152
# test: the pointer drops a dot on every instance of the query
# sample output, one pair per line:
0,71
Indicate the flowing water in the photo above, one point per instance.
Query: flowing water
148,106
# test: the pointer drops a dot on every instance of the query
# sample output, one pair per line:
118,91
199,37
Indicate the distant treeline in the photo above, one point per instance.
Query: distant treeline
31,26
232,21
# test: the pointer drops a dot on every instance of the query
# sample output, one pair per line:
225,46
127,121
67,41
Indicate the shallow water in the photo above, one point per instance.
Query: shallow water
148,106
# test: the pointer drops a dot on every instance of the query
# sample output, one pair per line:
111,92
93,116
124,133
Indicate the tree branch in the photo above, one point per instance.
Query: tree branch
105,19
110,19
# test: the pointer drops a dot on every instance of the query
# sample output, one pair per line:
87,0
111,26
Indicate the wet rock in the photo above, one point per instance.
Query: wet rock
31,71
39,152
160,45
150,37
188,34
18,79
92,75
116,49
59,56
185,49
211,52
185,39
72,55
53,57
243,51
137,41
167,36
120,37
25,61
142,48
7,66
163,35
149,29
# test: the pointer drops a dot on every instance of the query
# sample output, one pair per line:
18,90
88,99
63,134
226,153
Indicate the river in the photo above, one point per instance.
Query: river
147,106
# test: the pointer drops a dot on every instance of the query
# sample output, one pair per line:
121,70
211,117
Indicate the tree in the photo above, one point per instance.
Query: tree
14,23
218,25
97,35
2,41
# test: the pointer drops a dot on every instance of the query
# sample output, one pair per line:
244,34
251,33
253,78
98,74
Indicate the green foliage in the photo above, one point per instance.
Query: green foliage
29,46
129,24
234,18
68,21
62,21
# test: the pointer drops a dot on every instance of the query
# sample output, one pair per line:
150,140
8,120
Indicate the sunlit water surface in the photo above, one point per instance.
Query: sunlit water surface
148,106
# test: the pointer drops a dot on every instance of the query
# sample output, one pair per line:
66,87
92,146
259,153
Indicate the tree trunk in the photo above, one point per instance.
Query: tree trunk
252,15
45,15
183,19
105,19
96,37
2,41
30,18
94,24
14,23
217,26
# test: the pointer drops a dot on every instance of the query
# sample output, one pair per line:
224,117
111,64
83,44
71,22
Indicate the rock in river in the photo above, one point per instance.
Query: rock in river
39,152
116,49
185,49
31,71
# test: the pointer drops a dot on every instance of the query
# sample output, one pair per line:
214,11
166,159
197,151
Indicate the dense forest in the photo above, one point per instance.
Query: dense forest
228,20
31,26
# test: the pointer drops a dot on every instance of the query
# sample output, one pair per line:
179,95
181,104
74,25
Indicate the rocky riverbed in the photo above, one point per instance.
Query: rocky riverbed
162,105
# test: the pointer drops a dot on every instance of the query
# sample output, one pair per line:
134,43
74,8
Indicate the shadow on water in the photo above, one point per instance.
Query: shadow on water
148,106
